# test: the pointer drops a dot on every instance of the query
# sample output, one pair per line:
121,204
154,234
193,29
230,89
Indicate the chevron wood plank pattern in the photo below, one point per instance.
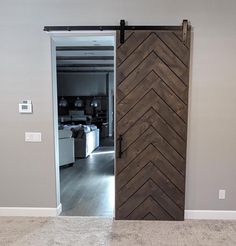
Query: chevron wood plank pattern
152,99
127,36
171,60
149,210
179,35
149,63
150,188
152,80
151,136
151,116
151,171
135,59
150,154
180,50
133,40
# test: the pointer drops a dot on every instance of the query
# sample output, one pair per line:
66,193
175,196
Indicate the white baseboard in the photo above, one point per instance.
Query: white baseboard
51,212
210,214
30,211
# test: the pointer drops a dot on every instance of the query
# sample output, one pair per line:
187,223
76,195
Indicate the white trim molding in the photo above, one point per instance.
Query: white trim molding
30,211
210,214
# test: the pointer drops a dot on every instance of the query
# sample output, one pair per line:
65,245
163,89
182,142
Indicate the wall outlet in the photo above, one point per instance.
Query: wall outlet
33,137
221,194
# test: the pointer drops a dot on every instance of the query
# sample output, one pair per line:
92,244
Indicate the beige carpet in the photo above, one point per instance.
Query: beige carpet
102,231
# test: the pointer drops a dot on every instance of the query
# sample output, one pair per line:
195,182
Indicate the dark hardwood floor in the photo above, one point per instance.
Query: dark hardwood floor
87,188
108,141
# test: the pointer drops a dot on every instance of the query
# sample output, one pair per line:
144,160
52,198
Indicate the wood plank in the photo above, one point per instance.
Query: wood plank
142,106
152,80
128,33
150,216
149,188
151,171
136,58
151,99
149,210
179,35
134,40
152,62
171,60
180,89
136,148
135,77
150,136
180,50
150,155
151,118
171,117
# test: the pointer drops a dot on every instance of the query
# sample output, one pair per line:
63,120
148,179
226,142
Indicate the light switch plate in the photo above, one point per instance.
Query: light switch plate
33,137
221,194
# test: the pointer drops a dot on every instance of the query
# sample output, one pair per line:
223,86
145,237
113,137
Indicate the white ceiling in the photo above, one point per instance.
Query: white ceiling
101,57
85,41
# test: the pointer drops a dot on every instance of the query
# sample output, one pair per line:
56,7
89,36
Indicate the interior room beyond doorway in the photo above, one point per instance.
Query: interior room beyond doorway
85,106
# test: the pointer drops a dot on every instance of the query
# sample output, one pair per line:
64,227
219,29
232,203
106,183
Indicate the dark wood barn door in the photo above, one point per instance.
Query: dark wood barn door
151,118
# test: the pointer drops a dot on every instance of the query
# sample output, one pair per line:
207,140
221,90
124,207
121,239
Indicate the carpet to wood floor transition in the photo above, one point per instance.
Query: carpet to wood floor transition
24,231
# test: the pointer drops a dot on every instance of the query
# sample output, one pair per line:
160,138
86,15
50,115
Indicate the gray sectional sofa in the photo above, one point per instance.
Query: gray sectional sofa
86,139
66,147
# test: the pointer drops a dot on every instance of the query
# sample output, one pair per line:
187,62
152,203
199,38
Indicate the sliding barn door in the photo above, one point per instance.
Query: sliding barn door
151,125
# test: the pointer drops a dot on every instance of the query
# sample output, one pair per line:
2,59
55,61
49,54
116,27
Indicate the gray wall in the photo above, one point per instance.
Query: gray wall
72,84
27,175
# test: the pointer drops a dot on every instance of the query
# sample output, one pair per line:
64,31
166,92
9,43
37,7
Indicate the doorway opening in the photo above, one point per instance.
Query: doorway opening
84,94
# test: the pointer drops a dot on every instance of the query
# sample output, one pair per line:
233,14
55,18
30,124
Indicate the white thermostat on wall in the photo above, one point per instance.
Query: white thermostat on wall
26,107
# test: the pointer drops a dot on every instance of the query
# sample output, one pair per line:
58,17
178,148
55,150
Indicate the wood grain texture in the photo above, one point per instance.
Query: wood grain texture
151,115
86,189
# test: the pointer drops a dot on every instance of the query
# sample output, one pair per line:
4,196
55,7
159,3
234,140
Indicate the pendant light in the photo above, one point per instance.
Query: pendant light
63,102
94,103
78,102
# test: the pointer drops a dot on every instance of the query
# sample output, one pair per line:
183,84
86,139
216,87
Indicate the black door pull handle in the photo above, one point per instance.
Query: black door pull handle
120,146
